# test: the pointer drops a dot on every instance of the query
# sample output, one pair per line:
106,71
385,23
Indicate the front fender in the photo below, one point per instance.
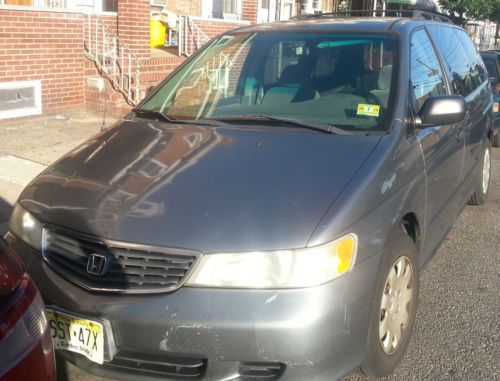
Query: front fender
389,185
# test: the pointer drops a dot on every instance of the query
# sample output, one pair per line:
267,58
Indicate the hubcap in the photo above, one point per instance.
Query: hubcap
396,305
486,170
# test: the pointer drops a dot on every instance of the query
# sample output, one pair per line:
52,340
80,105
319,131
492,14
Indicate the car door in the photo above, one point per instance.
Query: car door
468,78
442,146
478,107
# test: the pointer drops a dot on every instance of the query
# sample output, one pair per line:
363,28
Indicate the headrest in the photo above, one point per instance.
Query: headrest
293,74
384,78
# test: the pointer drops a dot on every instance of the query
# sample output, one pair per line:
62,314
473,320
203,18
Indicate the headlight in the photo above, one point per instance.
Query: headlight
24,226
277,269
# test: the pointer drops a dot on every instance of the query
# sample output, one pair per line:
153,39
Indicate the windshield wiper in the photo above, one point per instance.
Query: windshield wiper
166,118
204,122
320,127
153,114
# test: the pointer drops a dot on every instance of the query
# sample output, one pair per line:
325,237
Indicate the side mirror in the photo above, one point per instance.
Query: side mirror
441,110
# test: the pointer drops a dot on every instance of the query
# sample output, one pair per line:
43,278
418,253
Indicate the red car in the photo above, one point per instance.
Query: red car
26,351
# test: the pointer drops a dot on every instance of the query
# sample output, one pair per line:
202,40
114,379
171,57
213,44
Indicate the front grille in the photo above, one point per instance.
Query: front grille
160,366
253,371
128,268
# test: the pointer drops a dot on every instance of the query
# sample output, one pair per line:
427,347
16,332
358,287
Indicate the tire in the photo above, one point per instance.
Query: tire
496,139
383,355
482,184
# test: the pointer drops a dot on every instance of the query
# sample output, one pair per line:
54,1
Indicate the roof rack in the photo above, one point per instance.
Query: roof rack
411,13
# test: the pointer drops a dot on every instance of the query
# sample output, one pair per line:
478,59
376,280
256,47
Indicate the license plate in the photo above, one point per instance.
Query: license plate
78,335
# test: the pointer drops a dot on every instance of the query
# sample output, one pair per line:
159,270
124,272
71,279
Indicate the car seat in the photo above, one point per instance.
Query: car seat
384,85
292,87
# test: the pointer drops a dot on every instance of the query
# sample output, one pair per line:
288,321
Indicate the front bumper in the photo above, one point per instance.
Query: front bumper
316,333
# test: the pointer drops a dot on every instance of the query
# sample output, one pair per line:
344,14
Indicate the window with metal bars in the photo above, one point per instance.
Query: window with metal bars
101,6
229,6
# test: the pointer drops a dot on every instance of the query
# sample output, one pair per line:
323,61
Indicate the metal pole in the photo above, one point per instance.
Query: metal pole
96,37
129,75
180,35
137,84
123,67
89,47
114,58
103,47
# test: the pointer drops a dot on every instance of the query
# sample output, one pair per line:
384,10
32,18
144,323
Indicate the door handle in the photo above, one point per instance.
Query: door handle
468,123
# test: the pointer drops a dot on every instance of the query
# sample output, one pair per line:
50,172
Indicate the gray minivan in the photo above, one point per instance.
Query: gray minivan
264,213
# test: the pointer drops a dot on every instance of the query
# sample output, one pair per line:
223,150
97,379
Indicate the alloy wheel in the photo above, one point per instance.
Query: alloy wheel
396,305
486,170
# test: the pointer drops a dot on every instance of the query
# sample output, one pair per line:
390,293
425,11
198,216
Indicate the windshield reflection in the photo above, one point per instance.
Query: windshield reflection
340,79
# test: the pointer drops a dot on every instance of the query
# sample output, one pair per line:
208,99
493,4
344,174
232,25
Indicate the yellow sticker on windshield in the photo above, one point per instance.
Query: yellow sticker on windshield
368,110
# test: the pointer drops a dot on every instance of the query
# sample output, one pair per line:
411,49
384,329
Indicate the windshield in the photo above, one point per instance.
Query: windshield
338,79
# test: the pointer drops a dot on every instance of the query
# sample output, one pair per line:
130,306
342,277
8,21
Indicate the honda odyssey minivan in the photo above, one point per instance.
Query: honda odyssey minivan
264,214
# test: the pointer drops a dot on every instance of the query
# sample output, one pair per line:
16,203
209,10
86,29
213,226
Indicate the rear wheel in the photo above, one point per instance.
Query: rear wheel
483,178
394,308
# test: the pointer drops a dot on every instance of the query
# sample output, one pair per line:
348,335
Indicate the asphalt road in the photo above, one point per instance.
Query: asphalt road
457,333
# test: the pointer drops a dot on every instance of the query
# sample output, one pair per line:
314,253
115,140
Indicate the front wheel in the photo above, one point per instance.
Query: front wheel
482,184
393,308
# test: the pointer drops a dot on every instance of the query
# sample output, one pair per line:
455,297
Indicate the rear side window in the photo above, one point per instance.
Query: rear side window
426,74
464,65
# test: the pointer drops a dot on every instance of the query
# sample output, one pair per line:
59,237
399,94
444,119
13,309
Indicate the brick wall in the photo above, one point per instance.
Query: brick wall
48,46
214,27
44,46
133,25
157,69
249,11
153,71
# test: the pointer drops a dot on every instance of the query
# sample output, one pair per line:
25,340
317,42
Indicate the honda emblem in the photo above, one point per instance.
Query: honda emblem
97,264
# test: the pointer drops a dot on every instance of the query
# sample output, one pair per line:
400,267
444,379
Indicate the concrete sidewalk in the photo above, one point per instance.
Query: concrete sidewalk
28,146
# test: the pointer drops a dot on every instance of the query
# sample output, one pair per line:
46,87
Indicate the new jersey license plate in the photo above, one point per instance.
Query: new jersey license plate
78,335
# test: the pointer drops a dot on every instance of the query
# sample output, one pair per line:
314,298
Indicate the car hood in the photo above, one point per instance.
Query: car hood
213,189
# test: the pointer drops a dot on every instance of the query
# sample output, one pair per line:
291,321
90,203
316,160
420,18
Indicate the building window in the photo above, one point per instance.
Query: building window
21,98
84,5
229,6
110,5
226,9
308,7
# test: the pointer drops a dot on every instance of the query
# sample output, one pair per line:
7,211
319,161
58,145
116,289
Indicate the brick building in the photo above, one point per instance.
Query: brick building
58,54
